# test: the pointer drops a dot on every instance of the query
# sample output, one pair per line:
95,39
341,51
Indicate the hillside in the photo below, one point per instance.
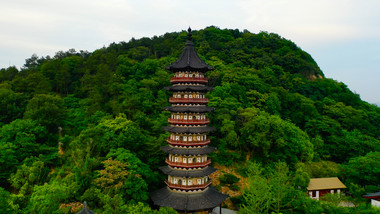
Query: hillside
83,126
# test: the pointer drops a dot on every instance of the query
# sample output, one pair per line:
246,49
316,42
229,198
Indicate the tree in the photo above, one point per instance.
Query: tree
112,177
29,174
12,105
269,138
47,198
20,139
4,201
257,196
363,170
32,83
48,110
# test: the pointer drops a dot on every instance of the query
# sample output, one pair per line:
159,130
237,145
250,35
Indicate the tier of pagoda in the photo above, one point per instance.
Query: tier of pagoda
188,167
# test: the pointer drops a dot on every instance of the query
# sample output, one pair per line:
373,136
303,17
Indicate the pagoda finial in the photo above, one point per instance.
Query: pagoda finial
189,34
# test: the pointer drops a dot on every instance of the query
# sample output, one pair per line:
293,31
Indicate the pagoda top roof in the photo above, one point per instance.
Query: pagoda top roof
189,59
207,199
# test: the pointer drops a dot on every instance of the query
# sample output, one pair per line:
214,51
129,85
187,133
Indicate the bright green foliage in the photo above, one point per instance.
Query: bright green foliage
269,138
111,134
112,177
257,196
19,140
363,170
46,198
136,185
322,169
271,192
28,175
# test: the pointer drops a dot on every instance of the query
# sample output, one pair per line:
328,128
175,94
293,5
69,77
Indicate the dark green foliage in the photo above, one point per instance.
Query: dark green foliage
12,105
228,179
4,201
61,117
48,110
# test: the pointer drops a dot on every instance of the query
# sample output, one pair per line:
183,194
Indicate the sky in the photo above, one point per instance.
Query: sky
343,36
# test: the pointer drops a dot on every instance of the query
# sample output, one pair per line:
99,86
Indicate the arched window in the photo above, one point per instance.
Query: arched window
176,137
199,160
185,96
194,160
190,117
184,138
179,181
185,117
190,96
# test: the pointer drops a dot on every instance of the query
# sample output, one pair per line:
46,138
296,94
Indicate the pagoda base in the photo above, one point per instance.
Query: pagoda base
189,202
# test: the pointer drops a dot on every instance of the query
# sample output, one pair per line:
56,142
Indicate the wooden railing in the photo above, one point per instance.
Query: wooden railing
188,79
188,143
188,187
187,165
188,100
189,122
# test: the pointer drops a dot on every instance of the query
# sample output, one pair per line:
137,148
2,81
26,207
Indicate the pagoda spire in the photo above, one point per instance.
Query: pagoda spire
189,35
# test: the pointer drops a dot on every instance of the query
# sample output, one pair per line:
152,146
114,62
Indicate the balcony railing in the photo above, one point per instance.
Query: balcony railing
188,79
188,143
188,100
189,122
188,187
187,165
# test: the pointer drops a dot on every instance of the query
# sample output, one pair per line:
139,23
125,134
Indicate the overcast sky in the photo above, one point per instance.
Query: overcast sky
343,36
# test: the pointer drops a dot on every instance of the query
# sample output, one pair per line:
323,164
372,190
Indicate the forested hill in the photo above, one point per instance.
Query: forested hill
87,126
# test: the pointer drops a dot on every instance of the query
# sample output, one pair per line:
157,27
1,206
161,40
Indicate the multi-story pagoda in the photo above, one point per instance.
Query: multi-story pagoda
189,187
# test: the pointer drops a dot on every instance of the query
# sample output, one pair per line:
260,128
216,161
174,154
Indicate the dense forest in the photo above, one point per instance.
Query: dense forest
83,126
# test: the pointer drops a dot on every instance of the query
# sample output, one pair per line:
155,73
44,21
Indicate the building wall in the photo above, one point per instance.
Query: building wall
375,203
316,194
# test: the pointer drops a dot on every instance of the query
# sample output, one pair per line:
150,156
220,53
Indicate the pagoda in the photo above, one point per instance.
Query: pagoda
188,186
